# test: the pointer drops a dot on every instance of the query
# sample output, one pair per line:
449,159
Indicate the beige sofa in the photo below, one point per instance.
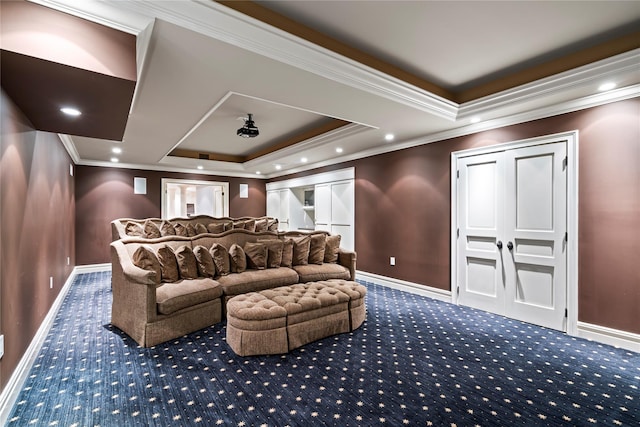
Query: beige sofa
152,305
152,228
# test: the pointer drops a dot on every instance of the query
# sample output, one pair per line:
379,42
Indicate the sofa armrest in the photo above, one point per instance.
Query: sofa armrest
348,259
130,271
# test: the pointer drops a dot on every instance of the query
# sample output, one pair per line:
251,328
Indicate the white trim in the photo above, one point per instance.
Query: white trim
319,178
588,74
403,285
68,144
92,268
614,337
14,385
571,139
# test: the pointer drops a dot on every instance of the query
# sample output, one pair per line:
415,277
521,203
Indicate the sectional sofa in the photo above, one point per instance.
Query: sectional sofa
166,287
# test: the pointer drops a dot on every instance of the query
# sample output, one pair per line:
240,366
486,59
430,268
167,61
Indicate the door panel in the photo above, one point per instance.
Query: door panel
480,219
536,223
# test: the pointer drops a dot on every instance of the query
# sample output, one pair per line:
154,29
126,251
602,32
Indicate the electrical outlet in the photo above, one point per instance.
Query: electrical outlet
1,346
392,260
51,282
68,260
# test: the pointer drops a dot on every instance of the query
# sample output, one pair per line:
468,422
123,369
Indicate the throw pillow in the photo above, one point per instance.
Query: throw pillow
274,252
168,264
206,266
238,224
287,253
272,225
187,264
181,230
316,248
134,229
250,225
261,225
256,255
220,257
238,258
151,230
201,229
332,248
191,231
166,229
215,228
301,250
144,258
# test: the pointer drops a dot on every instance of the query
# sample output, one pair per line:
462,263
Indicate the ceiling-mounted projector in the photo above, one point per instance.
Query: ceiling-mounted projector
249,130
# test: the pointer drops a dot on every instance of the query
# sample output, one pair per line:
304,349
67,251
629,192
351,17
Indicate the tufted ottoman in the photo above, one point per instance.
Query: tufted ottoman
281,319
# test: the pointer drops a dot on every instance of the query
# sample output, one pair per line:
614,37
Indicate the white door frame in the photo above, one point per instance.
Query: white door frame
163,192
571,139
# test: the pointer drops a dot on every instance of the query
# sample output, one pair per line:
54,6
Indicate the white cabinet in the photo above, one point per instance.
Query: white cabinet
322,202
278,207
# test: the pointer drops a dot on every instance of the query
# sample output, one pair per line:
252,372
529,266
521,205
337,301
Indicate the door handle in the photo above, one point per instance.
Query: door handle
510,246
499,244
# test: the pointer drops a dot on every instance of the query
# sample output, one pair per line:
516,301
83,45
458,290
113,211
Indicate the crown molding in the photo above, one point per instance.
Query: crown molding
68,144
167,168
590,74
325,138
540,113
101,12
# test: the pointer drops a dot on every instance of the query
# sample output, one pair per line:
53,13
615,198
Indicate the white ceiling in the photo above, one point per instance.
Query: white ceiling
202,66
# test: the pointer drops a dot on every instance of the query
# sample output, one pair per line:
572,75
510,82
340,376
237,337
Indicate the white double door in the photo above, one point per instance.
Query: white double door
512,222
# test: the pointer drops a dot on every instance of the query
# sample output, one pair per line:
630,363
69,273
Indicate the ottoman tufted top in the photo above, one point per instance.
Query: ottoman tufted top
254,306
305,297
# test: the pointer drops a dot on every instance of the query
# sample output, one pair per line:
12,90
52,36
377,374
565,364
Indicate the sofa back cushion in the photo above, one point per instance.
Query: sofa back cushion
145,258
220,257
238,258
168,264
256,255
187,265
204,260
301,247
151,230
332,248
317,248
274,251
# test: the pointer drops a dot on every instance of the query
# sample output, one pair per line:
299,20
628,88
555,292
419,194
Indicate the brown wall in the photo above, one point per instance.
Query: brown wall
403,204
104,194
37,211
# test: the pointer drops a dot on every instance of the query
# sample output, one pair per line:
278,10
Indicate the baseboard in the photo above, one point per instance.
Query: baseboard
614,337
403,285
13,387
92,268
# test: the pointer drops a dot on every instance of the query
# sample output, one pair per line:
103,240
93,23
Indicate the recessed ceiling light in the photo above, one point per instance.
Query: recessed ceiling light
475,120
304,160
278,167
258,172
389,137
200,167
115,160
116,150
70,111
339,150
606,86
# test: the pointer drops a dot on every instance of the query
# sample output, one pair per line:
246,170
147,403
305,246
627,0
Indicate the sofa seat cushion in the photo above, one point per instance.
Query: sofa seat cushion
326,271
171,297
257,280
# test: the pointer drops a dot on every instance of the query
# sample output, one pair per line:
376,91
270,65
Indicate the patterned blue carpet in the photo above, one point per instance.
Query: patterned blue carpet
415,361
